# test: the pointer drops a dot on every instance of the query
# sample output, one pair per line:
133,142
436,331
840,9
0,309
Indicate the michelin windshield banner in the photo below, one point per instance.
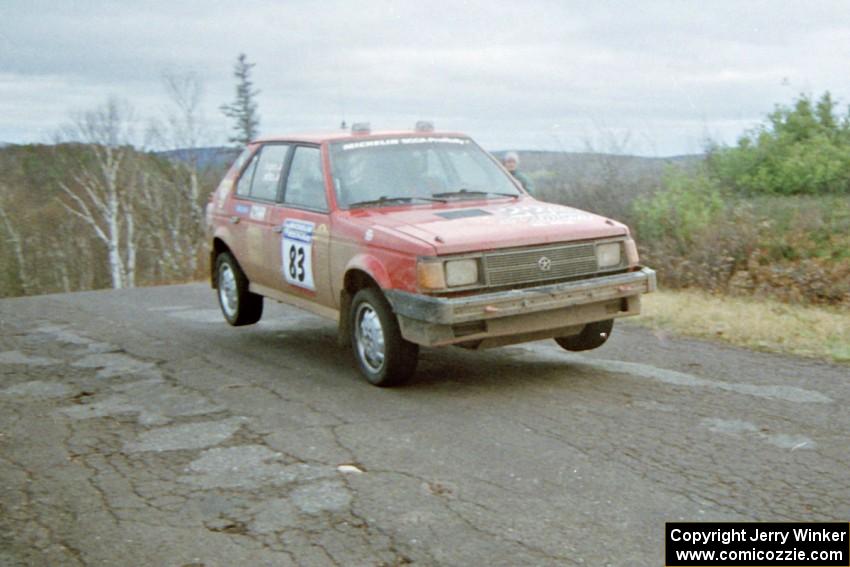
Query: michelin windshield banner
762,544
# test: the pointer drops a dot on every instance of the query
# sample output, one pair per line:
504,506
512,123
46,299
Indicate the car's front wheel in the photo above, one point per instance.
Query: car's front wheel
239,306
592,336
382,354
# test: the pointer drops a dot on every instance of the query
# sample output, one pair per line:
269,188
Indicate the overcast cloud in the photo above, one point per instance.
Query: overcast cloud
660,77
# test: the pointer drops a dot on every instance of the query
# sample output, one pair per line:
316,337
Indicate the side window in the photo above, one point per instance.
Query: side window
305,185
244,186
268,170
243,157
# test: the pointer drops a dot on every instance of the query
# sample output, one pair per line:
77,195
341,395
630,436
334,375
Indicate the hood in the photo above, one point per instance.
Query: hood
483,225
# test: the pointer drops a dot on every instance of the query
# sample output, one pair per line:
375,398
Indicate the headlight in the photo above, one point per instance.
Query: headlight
430,275
608,255
461,272
435,275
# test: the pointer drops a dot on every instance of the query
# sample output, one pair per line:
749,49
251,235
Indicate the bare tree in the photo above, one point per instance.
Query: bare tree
100,183
171,234
185,91
186,129
16,239
172,188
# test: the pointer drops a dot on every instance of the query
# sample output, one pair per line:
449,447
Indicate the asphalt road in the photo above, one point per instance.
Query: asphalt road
137,428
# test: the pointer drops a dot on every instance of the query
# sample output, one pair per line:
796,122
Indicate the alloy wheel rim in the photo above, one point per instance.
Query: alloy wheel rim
227,290
369,335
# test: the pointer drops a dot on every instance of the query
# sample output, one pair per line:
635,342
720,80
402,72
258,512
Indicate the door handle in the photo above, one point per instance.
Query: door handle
278,229
234,220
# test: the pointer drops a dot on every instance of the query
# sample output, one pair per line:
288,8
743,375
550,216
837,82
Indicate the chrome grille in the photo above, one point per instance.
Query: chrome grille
524,266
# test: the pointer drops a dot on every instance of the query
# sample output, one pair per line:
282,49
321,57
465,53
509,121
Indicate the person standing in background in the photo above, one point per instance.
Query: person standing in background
511,163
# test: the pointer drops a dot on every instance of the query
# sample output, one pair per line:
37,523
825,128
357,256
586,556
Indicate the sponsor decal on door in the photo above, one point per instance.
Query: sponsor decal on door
297,253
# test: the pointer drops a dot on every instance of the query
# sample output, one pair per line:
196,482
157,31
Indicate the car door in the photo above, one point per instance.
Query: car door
302,221
238,209
253,205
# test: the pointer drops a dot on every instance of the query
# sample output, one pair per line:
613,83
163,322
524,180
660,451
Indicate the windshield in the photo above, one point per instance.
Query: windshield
388,171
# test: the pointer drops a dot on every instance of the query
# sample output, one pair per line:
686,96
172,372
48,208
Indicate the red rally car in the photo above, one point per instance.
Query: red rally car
414,238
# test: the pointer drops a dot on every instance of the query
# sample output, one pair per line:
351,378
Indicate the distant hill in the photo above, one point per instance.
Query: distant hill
532,160
591,165
216,157
584,164
606,184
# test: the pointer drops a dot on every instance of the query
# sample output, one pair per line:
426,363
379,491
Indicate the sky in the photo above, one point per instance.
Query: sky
648,78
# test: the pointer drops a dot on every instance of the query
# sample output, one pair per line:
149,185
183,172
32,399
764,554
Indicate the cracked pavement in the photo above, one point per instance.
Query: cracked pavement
137,428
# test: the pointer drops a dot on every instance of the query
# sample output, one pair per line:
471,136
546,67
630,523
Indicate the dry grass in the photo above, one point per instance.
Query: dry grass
766,325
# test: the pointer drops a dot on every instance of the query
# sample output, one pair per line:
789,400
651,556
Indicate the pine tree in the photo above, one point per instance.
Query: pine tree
243,110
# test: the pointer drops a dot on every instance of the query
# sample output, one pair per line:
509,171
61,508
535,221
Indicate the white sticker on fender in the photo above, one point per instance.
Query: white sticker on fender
258,212
296,248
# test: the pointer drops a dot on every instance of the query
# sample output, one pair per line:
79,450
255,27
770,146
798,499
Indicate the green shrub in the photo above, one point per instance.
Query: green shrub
800,150
683,209
693,234
794,248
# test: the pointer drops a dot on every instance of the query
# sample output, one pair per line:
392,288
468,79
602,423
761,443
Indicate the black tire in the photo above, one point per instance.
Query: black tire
383,356
238,305
592,336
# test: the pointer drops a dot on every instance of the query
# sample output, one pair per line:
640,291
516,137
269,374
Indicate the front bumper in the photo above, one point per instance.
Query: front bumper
519,314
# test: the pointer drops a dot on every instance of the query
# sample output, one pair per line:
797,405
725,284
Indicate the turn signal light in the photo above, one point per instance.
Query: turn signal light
430,275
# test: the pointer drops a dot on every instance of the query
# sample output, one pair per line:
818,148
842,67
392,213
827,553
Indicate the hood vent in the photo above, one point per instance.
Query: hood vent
463,214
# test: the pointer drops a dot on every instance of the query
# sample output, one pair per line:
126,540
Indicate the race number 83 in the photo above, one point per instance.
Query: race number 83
296,249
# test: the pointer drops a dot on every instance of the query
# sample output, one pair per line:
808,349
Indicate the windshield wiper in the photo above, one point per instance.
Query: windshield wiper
474,193
383,200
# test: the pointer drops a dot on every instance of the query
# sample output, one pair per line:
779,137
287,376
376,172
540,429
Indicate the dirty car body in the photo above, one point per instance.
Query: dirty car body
414,238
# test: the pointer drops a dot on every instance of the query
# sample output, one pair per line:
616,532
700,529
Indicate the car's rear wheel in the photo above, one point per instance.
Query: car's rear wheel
592,336
239,306
382,354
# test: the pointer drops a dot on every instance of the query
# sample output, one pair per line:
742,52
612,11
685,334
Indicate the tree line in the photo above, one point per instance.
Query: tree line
98,208
768,215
